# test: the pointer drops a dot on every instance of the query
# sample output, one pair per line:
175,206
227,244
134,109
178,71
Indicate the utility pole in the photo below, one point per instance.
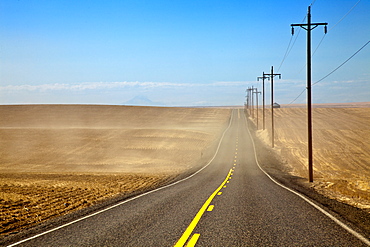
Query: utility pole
252,89
271,76
256,92
250,102
263,77
246,101
308,27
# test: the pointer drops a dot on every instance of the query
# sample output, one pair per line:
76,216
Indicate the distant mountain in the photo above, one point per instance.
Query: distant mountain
141,100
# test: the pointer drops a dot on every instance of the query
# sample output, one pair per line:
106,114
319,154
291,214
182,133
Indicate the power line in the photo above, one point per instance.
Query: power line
342,63
286,52
296,37
323,37
290,41
345,15
317,47
297,97
331,71
335,26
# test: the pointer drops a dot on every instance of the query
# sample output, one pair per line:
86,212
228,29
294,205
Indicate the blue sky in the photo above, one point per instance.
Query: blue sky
178,53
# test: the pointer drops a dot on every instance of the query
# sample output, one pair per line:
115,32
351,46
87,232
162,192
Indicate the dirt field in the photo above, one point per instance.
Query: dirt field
341,148
55,159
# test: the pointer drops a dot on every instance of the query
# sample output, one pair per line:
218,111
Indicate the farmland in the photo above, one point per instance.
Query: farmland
341,148
56,159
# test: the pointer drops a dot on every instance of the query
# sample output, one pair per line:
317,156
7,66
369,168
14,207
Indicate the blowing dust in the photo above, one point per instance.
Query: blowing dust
56,159
341,149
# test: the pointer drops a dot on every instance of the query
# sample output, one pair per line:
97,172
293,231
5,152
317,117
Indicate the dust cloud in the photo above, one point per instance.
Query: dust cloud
66,138
56,159
341,149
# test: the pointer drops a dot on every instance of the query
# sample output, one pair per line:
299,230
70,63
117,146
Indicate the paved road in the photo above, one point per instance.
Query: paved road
231,202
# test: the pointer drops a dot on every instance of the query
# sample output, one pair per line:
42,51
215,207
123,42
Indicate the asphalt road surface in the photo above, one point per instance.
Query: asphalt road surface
231,202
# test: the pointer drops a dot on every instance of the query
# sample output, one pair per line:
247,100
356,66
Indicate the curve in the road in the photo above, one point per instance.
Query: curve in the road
340,223
271,217
133,198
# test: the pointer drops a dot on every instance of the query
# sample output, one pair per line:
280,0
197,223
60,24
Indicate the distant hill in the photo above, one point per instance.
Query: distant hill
141,100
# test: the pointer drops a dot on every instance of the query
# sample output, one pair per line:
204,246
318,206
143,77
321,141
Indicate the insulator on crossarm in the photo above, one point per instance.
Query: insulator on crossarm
325,29
292,30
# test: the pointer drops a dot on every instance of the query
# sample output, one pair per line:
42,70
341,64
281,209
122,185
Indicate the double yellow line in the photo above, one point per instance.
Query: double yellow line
185,236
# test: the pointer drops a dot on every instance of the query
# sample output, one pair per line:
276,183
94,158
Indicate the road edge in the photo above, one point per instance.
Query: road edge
329,207
74,217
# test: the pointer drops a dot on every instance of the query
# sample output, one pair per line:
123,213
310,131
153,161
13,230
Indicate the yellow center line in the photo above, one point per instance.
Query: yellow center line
185,236
193,240
210,208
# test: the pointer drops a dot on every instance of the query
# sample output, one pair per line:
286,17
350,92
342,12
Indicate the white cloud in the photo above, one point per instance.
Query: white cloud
113,85
346,82
90,86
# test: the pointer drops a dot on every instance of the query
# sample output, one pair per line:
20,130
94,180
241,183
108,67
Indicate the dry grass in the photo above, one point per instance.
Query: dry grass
341,148
55,159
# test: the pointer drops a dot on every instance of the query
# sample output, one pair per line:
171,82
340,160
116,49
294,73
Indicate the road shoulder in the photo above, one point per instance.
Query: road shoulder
277,168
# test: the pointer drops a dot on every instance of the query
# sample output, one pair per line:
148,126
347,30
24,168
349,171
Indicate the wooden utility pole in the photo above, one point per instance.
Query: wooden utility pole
308,27
246,101
271,76
249,100
252,89
256,92
263,77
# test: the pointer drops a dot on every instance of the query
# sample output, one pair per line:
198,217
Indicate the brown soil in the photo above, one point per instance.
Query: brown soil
56,159
28,199
341,149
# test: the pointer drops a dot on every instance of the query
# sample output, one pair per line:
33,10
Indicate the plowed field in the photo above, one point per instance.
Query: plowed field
56,159
341,149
